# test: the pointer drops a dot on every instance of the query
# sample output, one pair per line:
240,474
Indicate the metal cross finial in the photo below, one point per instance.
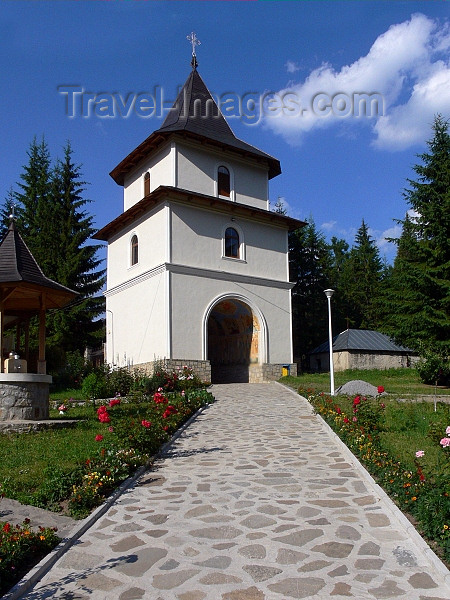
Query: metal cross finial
12,215
194,41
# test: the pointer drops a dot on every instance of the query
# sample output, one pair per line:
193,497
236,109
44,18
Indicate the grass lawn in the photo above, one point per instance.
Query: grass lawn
63,395
31,464
401,382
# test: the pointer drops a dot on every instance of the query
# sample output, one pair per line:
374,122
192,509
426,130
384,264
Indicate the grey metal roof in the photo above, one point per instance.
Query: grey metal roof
194,114
361,339
195,110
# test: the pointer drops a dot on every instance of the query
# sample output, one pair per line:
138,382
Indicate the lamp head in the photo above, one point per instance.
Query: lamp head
329,293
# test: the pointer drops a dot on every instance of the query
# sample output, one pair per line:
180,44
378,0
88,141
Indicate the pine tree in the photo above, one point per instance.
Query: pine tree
72,261
361,281
405,304
280,207
52,219
34,200
339,250
8,210
421,273
309,267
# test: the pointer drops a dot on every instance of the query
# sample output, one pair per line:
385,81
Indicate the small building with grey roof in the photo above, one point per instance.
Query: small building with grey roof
362,349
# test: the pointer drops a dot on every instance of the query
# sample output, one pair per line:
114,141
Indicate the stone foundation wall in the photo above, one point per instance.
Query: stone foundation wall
26,401
362,360
201,368
269,372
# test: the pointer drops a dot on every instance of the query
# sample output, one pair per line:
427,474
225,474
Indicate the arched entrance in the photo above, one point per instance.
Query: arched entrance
234,334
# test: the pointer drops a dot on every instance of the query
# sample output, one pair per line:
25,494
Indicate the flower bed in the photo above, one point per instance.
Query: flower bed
423,491
126,433
20,549
129,433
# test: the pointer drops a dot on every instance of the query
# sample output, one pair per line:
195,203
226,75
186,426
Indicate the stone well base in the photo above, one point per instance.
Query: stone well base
24,396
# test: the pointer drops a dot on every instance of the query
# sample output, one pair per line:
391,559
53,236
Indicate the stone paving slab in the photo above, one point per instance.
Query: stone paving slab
256,500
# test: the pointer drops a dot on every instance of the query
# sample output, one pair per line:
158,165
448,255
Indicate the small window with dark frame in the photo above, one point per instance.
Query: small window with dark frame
231,243
223,182
134,250
147,184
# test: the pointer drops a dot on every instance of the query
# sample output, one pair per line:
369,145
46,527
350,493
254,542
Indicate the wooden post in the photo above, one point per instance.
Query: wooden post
27,340
18,337
41,366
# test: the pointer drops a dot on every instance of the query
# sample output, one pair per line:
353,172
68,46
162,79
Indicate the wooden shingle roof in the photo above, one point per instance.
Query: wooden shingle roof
21,278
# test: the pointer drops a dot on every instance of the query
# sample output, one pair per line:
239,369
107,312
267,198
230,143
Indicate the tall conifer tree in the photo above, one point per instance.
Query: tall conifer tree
420,316
361,280
50,213
73,261
309,268
34,201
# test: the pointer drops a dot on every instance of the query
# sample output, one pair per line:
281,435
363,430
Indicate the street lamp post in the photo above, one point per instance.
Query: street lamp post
328,294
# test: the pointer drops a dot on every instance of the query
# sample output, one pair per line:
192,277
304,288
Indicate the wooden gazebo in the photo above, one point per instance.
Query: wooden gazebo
24,292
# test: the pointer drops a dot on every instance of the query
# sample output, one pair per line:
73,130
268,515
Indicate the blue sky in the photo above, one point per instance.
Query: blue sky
311,55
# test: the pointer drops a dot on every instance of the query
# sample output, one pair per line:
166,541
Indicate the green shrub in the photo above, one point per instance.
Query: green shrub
94,386
433,368
20,549
119,382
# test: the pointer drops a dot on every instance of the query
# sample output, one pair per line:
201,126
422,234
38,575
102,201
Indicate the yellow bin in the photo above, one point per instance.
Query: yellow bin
285,370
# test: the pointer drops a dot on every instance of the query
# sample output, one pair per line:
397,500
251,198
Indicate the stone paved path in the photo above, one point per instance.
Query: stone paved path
256,500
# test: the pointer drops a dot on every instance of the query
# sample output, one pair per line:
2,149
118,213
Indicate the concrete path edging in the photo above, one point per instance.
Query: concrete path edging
390,504
39,570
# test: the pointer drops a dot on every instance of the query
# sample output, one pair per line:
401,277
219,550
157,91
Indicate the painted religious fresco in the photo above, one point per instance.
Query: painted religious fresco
233,334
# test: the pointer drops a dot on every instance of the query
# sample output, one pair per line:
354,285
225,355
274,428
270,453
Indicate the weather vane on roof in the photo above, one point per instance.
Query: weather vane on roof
194,41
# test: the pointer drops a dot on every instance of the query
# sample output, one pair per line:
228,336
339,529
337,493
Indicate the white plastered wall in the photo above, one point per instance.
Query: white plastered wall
191,298
197,240
197,171
137,322
161,167
152,237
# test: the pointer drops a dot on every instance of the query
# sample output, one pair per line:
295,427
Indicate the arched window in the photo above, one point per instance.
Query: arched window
231,243
134,250
223,182
147,184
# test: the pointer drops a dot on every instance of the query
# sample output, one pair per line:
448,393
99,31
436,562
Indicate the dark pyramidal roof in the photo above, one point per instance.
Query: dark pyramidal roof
361,339
195,114
18,265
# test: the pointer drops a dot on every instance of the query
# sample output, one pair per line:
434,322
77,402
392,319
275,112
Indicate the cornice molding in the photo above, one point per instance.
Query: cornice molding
200,272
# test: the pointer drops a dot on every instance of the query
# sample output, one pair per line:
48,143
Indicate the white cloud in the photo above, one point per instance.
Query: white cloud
291,66
382,240
328,226
408,66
